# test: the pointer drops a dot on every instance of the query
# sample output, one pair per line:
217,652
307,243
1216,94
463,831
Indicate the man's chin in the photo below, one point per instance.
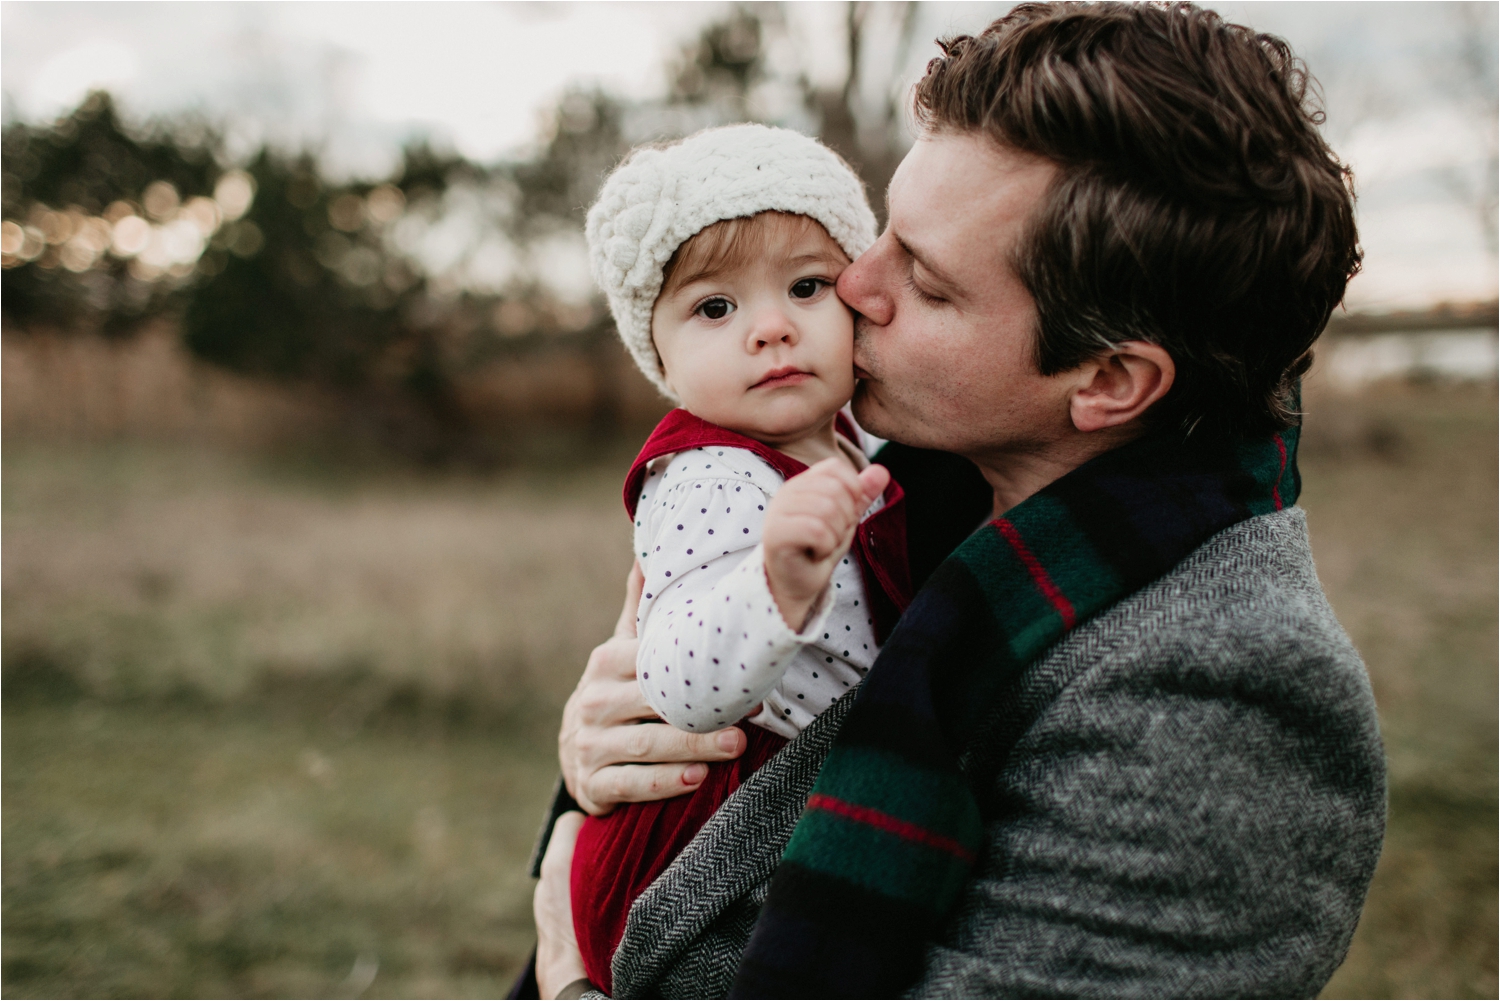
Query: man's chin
869,413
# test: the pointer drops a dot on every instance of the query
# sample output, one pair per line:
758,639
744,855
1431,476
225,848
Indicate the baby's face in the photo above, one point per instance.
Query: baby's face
765,349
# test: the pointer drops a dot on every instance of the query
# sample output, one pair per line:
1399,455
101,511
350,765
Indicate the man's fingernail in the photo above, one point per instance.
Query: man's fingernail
729,740
695,773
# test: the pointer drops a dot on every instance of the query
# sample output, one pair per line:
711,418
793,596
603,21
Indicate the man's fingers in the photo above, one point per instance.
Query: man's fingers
612,660
659,743
558,961
559,855
609,703
635,582
672,762
645,783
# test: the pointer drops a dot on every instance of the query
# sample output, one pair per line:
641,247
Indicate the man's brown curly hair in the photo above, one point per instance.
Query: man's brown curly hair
1197,205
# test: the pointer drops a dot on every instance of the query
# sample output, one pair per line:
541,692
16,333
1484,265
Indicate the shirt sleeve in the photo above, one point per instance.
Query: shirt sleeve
713,641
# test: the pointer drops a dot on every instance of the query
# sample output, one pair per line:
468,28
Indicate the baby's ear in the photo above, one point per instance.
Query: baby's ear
661,367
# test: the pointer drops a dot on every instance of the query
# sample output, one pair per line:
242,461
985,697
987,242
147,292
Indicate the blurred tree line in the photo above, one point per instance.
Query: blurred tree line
386,292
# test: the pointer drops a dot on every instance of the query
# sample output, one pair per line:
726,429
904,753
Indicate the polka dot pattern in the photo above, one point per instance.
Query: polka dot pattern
748,655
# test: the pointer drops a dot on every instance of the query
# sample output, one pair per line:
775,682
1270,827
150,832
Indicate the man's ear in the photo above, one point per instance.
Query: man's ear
1116,387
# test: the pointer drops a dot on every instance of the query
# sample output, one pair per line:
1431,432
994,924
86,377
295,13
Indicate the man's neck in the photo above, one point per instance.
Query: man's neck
1016,475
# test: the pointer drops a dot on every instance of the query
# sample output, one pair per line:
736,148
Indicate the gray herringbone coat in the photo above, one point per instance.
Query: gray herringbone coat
1186,799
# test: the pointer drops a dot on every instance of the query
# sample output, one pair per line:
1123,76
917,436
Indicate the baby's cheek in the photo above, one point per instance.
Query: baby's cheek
713,389
841,360
844,342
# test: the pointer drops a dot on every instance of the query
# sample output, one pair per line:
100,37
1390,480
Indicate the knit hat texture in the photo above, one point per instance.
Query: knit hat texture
660,197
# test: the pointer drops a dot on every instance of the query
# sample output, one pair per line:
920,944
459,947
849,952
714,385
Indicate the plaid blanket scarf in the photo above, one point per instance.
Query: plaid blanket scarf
892,828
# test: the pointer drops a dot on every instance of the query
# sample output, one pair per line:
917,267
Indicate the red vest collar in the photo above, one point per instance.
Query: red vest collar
879,544
680,431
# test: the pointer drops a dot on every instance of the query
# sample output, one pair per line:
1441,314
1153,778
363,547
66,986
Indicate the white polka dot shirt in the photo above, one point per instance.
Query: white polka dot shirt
713,642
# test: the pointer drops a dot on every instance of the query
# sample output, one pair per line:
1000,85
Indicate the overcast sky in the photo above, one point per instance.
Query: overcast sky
356,79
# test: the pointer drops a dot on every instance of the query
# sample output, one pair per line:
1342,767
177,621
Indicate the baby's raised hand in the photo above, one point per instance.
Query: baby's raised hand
810,524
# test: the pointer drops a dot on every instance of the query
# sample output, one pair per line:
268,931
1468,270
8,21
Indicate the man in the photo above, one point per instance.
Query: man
1119,745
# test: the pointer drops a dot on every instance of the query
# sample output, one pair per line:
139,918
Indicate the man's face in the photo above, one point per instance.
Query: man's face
944,341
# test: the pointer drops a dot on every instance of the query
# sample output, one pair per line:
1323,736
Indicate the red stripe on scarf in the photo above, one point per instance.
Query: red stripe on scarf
891,825
1276,487
1038,574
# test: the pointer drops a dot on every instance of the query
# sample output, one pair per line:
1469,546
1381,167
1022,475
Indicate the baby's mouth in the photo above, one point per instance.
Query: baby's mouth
779,377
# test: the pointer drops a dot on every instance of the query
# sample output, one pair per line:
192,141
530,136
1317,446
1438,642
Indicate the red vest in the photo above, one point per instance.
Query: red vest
618,856
879,543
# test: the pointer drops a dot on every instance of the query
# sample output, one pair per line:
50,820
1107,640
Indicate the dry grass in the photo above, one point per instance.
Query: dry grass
1401,499
79,387
271,725
87,388
173,851
144,571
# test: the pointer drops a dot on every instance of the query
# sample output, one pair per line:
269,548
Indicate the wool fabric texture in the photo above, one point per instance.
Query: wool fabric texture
1183,798
661,196
892,828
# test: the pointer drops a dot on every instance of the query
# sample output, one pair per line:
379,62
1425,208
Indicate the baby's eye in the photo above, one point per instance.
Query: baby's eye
806,288
715,309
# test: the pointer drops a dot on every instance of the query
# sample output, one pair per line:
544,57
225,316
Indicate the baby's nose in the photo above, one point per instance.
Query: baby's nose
773,327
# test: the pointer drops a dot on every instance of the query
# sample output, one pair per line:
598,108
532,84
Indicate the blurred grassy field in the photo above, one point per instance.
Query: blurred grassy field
283,727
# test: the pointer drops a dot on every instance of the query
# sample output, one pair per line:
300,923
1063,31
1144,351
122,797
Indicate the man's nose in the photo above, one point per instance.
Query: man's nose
864,285
772,326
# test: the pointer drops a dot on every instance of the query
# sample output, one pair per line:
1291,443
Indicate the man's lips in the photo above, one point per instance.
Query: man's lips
860,373
779,377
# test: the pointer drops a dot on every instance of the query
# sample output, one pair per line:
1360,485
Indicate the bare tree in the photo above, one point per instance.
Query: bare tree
870,135
1467,72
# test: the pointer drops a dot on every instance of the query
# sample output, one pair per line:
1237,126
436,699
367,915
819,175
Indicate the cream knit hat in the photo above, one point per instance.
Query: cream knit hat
659,197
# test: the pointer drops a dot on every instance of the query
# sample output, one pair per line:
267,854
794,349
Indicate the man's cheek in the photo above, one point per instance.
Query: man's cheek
864,354
871,410
864,410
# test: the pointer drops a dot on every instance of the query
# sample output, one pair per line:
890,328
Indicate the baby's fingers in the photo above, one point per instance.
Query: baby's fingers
815,535
862,487
827,501
834,478
835,470
873,480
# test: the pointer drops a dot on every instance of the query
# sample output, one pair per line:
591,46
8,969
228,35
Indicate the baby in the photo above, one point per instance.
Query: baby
774,554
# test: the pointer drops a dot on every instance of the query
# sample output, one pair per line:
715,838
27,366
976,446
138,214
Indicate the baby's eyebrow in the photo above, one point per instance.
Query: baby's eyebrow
823,257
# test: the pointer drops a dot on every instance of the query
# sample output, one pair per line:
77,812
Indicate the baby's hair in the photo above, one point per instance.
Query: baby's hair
732,243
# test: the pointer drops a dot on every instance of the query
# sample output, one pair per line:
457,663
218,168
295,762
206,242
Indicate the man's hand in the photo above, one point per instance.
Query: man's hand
810,524
558,960
608,755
